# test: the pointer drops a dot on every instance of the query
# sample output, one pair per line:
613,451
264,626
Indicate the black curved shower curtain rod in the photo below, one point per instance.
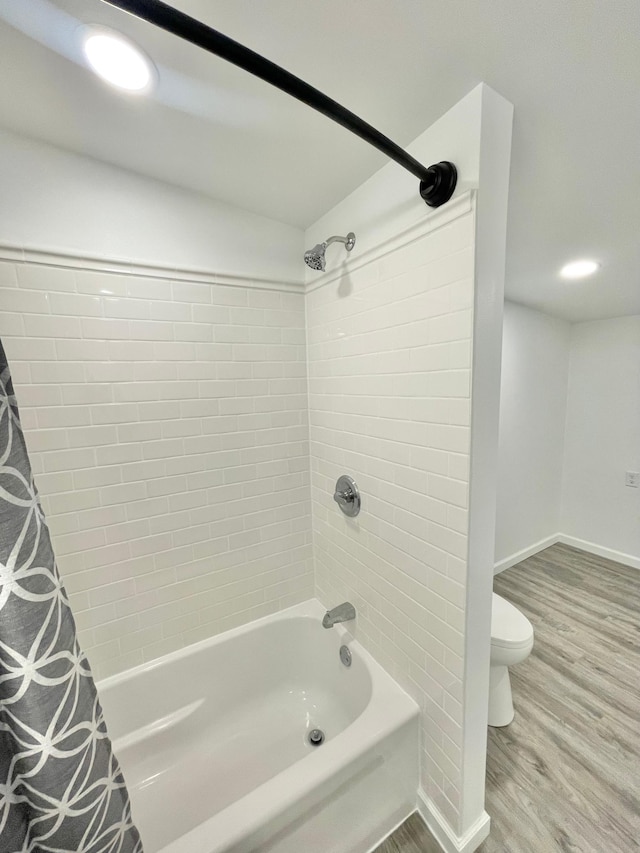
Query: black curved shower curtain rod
437,182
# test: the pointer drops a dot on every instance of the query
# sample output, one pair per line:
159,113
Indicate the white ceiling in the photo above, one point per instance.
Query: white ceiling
571,68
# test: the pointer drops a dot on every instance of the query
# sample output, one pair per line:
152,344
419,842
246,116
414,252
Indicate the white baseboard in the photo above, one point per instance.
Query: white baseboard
444,835
582,544
512,559
600,550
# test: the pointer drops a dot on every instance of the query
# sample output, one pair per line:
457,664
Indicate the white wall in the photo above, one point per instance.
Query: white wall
569,430
603,438
393,330
535,364
58,201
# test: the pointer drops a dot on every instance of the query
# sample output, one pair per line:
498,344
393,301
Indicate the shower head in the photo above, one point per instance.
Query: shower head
315,259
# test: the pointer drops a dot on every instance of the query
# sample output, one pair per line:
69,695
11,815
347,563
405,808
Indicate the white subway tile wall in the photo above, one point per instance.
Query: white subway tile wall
167,427
167,423
389,350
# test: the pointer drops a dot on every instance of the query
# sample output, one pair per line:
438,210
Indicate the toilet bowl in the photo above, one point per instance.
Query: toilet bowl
511,643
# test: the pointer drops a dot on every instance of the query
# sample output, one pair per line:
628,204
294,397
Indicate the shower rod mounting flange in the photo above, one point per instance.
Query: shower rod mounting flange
441,188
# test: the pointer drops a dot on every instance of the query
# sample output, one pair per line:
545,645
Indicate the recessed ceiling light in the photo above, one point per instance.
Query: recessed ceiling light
579,269
117,60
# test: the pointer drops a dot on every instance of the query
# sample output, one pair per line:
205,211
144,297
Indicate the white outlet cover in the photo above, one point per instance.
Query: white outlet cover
632,478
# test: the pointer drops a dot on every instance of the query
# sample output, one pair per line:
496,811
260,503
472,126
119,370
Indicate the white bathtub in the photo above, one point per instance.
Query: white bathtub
213,742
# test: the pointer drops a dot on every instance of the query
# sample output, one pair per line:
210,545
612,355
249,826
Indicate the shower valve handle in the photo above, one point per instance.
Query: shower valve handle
347,496
343,498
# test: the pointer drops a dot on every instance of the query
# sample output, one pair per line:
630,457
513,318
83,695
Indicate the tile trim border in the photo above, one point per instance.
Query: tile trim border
95,263
436,219
120,266
442,832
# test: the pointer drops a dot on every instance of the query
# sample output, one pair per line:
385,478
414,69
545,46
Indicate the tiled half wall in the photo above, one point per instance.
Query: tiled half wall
389,393
166,421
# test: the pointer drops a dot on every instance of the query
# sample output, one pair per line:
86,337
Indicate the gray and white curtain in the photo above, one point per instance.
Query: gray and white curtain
61,788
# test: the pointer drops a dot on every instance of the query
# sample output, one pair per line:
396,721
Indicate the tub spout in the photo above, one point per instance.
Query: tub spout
342,613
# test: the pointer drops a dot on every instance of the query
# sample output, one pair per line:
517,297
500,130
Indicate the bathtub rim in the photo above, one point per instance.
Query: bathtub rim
311,608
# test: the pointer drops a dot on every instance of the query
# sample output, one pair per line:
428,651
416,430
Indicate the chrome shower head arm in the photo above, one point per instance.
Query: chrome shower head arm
349,241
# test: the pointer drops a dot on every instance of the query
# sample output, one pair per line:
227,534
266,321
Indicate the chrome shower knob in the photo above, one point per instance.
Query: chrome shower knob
347,496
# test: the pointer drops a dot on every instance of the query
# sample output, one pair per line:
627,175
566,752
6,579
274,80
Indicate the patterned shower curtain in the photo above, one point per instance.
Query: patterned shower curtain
61,789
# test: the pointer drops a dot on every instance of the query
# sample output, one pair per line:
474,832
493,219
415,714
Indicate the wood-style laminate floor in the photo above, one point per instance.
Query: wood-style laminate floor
564,777
412,837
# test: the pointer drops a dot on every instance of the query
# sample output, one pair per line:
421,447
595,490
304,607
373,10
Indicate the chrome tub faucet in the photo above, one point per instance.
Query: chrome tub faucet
342,613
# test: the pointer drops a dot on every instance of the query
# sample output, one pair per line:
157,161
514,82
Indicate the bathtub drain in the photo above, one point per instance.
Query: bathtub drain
316,737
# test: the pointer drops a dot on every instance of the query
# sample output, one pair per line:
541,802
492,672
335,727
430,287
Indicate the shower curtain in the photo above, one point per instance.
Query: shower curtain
61,788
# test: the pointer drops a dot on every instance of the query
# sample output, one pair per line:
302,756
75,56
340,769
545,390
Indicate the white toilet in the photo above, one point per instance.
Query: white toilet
511,643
